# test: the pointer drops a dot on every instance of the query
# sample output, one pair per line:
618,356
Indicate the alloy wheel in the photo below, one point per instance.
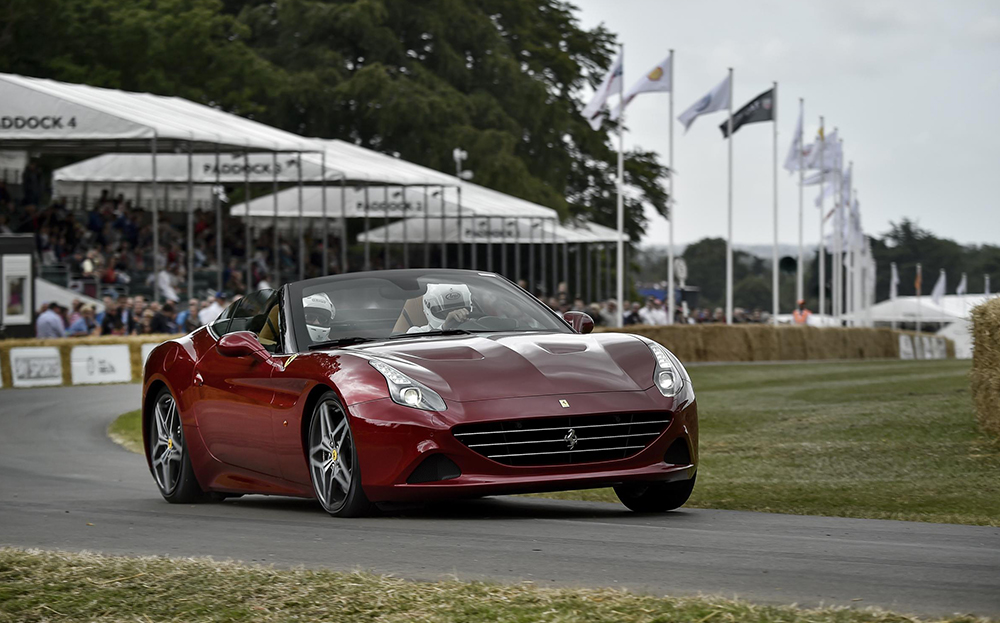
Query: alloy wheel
331,455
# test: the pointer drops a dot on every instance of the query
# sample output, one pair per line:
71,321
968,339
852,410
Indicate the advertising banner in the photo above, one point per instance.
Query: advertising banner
905,347
35,366
100,364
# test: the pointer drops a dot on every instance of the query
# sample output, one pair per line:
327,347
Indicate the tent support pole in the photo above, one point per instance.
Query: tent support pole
385,224
461,263
343,225
607,272
190,224
503,246
489,243
277,236
301,232
156,224
565,247
517,249
444,244
579,254
326,224
427,216
589,289
248,222
218,222
368,244
531,256
406,240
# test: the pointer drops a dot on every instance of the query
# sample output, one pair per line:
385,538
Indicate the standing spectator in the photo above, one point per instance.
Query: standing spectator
632,315
653,313
210,313
108,304
610,313
84,325
31,184
145,324
801,314
163,320
263,284
166,279
49,323
190,322
117,319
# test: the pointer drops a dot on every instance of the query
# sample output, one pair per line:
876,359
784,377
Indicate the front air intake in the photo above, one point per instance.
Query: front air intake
564,440
434,468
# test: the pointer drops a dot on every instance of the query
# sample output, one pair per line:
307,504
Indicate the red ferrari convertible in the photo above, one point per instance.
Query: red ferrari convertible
408,385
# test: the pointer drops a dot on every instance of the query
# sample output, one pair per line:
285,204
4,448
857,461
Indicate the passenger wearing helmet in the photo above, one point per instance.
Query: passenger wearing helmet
446,305
319,313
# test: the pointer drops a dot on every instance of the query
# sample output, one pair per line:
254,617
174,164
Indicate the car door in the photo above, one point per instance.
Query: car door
234,407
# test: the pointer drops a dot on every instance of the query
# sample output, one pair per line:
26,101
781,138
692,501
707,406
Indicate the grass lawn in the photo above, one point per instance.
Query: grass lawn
51,586
884,440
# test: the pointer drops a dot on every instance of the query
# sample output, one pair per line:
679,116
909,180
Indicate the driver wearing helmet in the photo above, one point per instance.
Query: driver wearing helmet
319,313
446,305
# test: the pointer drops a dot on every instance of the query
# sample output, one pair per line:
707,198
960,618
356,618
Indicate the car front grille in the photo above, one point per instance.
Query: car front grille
564,440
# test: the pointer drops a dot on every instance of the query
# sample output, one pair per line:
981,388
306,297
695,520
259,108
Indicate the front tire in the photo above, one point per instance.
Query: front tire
169,459
655,497
333,461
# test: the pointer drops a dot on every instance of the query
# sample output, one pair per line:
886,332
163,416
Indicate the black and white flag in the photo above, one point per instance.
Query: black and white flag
760,108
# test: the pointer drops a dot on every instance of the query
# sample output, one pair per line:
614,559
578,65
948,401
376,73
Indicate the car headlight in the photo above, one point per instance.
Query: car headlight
407,392
669,374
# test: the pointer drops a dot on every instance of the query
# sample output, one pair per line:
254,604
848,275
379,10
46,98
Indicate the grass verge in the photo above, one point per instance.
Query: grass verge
52,586
126,431
881,440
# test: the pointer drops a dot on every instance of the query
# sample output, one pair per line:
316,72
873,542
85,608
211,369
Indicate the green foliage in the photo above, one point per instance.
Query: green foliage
500,78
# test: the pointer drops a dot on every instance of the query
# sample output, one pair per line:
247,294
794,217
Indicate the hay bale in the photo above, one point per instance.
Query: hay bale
985,374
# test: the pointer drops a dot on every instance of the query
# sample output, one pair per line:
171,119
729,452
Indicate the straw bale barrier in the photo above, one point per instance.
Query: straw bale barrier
65,348
985,375
768,343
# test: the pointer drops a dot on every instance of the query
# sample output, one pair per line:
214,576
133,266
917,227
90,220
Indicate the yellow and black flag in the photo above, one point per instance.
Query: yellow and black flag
760,108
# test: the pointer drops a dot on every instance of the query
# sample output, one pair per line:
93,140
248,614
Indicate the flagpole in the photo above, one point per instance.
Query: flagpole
729,212
893,275
839,240
671,204
774,254
920,286
620,260
822,217
800,272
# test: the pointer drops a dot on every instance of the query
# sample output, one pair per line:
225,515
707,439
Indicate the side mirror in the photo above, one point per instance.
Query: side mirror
239,344
581,322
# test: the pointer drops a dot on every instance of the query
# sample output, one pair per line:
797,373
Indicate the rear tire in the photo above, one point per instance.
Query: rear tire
170,463
655,497
334,468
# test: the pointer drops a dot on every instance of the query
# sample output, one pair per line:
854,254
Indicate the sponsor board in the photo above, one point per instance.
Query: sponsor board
146,349
100,364
35,366
906,347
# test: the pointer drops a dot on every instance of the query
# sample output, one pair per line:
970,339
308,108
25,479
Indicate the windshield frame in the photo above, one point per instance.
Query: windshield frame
292,295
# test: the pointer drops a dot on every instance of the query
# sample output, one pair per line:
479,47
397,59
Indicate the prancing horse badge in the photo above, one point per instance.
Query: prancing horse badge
564,403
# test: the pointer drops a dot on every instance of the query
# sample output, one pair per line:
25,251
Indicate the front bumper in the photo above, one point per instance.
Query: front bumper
393,440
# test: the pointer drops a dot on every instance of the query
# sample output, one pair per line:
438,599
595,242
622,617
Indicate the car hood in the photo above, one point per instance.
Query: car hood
508,365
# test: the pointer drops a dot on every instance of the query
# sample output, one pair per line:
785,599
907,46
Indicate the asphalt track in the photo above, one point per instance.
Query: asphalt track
59,474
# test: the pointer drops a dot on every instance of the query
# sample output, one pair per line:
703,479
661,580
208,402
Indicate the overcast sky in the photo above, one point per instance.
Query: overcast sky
913,86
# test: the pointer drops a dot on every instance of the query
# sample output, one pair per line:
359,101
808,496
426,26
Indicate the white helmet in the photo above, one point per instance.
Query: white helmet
444,298
319,312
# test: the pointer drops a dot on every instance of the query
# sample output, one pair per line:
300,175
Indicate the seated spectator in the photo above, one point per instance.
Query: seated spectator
49,323
84,325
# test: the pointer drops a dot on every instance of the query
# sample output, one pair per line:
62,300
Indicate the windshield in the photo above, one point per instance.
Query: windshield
397,303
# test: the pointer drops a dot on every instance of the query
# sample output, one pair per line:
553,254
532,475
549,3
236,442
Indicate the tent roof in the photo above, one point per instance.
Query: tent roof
907,309
42,114
476,200
482,230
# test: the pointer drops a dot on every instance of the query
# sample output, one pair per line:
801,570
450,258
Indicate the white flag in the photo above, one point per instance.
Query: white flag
963,286
825,153
795,152
611,84
715,100
657,80
938,292
893,283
